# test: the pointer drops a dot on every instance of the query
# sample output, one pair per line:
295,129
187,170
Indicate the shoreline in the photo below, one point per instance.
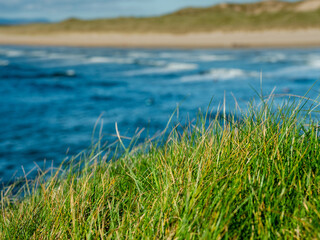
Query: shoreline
238,39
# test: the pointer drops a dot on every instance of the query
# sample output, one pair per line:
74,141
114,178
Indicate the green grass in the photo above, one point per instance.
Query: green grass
256,176
257,16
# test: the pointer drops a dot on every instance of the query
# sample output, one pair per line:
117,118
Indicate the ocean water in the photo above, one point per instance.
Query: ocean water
51,97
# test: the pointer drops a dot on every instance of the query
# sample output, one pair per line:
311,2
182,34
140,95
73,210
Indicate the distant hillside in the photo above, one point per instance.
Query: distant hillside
266,6
223,17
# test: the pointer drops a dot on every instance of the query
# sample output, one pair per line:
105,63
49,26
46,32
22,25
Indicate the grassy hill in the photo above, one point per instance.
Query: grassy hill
223,17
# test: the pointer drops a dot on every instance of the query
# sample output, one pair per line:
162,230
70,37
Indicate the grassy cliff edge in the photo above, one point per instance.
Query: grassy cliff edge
252,177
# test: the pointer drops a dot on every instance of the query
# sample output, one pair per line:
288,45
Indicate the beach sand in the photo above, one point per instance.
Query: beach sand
269,38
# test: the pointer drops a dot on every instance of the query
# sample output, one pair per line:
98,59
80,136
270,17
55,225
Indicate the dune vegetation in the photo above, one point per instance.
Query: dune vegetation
254,176
223,17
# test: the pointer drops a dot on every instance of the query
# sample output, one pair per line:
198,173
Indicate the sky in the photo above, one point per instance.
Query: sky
56,10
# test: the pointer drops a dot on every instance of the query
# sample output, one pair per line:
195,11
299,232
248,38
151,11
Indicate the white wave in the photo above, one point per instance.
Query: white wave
39,54
64,56
220,74
152,63
99,60
307,66
169,68
11,53
70,72
196,57
110,60
271,58
4,62
139,55
18,53
173,55
314,61
303,71
213,58
181,66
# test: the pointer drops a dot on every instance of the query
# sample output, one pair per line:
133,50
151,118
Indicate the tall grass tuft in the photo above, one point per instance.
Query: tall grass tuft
256,176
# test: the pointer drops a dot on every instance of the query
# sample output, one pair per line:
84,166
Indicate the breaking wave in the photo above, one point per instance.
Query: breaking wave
168,68
220,74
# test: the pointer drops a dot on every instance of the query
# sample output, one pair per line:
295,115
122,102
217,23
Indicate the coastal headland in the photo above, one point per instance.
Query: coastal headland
262,24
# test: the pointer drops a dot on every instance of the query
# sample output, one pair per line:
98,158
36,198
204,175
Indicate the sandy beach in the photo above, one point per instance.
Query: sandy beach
270,38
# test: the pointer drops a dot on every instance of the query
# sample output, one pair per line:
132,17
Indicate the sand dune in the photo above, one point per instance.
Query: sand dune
308,5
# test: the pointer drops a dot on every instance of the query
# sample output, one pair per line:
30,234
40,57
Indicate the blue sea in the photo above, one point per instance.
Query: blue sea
51,97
